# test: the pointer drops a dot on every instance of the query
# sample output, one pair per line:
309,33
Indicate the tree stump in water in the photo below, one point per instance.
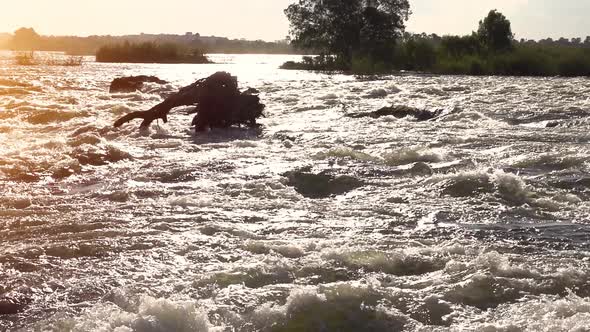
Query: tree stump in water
220,104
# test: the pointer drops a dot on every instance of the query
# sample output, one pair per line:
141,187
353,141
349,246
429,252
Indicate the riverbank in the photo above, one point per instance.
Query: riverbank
424,57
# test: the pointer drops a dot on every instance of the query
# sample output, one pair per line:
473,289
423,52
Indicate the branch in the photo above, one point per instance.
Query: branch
147,116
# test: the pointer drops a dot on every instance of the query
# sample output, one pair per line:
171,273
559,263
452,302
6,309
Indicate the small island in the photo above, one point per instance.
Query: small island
369,37
150,52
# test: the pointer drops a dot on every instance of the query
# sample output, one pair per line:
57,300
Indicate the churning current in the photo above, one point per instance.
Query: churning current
477,220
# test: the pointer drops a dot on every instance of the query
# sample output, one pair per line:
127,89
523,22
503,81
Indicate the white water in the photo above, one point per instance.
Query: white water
479,221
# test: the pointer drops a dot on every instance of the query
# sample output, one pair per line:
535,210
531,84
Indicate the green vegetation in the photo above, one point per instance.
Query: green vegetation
347,32
149,52
492,50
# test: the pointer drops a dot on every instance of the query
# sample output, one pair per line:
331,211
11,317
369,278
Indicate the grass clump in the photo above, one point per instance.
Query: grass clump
31,59
25,59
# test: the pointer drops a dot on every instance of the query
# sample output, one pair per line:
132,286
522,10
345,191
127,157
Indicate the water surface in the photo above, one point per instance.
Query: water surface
477,221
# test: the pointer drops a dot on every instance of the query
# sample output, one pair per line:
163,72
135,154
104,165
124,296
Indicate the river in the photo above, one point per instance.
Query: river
476,221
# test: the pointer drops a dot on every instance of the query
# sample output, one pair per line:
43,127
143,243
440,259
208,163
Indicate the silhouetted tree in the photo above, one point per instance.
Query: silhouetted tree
348,28
563,41
421,53
26,39
495,32
457,46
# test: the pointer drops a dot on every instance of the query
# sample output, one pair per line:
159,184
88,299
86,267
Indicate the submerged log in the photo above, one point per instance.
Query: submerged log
219,104
400,111
132,83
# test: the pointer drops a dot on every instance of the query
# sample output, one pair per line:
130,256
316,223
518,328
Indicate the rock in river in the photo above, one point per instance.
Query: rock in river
321,185
400,111
132,83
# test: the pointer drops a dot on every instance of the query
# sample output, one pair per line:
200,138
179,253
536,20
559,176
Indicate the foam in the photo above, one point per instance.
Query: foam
345,152
541,314
271,271
412,155
511,187
377,93
285,250
551,161
396,262
341,307
151,315
188,201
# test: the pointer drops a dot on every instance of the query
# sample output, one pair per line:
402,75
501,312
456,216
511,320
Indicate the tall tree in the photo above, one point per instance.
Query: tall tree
26,39
348,27
495,32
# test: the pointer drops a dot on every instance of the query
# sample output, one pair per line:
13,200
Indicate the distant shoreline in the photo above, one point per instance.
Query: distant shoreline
26,39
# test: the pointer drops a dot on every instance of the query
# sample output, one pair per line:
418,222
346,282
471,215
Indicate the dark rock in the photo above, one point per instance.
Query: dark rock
569,117
132,83
574,182
466,187
421,168
251,91
399,112
11,304
321,185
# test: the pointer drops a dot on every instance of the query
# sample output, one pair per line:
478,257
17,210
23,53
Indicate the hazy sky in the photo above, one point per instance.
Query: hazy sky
264,19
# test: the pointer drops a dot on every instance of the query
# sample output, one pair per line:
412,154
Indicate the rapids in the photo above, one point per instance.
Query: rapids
476,221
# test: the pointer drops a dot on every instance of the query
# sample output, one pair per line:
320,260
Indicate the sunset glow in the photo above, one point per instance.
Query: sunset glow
264,19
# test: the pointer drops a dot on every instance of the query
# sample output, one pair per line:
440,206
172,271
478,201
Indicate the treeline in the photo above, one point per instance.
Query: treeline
467,55
149,52
26,39
367,37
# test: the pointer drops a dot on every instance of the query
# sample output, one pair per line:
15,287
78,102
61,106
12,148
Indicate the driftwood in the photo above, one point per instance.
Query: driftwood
219,104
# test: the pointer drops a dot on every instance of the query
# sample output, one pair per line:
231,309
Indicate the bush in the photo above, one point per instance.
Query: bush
319,63
421,55
574,64
458,46
149,52
367,66
466,65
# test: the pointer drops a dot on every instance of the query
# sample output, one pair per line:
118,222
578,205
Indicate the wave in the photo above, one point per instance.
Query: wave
149,315
42,117
337,308
545,313
345,152
285,250
377,93
413,155
18,203
550,161
396,263
99,155
508,187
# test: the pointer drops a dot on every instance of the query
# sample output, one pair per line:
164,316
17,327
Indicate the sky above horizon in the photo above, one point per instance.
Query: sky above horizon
264,19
